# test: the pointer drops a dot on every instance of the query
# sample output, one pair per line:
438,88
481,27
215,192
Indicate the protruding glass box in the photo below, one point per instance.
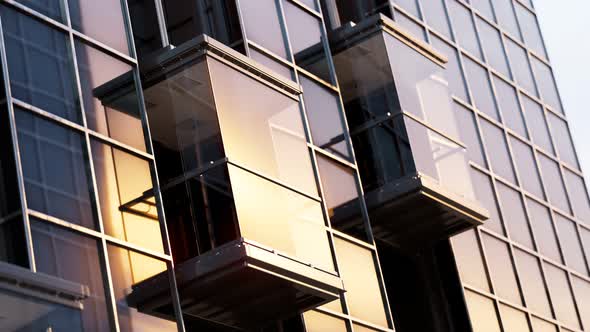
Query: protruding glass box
414,169
246,227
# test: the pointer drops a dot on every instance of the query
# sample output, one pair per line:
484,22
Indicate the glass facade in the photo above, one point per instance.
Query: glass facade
130,149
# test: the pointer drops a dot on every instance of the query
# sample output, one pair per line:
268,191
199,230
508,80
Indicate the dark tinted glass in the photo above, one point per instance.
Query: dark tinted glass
40,65
144,22
73,257
55,169
52,8
90,16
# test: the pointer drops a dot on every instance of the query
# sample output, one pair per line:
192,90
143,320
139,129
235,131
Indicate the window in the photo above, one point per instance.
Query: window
436,17
482,312
40,65
533,287
543,230
506,18
484,7
530,29
73,257
468,134
563,141
561,296
554,183
55,170
513,320
411,6
535,118
520,66
497,150
89,17
492,47
319,322
570,244
485,194
262,25
469,260
578,196
481,89
514,215
414,28
509,106
455,75
582,291
527,169
53,9
546,84
501,269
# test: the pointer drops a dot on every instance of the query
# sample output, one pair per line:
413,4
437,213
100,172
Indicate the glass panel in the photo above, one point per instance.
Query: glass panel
578,196
506,17
570,244
28,314
582,291
482,313
407,23
358,272
553,183
73,257
305,35
481,89
323,114
508,102
469,260
484,7
497,150
309,3
532,283
273,141
361,328
513,320
563,140
127,269
514,215
55,171
546,84
527,169
468,134
455,75
501,269
271,64
492,46
144,23
520,66
411,6
530,30
543,230
436,16
319,322
585,235
40,65
261,22
127,205
485,194
110,109
464,27
52,8
280,218
89,17
561,295
543,326
341,197
536,123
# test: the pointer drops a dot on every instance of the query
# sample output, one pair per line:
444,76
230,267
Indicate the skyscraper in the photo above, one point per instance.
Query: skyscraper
286,165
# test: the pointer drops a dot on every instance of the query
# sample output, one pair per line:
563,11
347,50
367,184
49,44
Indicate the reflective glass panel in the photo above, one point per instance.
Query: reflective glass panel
127,269
582,291
110,109
414,28
73,257
543,326
520,66
527,169
464,27
506,17
484,193
319,322
55,170
546,84
513,320
469,260
271,63
497,150
563,140
533,286
553,183
492,46
89,17
561,296
127,204
535,118
52,8
436,16
146,33
481,89
411,6
261,128
530,29
455,74
280,218
514,215
363,293
484,7
469,134
40,65
501,269
509,106
262,25
570,244
578,195
543,230
481,312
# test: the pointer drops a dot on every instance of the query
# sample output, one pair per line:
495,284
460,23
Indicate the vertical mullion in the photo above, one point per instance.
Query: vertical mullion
16,152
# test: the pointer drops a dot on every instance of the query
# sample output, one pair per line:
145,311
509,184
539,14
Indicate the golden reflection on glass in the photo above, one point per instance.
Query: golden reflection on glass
122,180
482,313
532,283
513,320
363,293
582,291
280,218
501,270
319,322
360,328
543,326
561,295
129,268
469,260
261,128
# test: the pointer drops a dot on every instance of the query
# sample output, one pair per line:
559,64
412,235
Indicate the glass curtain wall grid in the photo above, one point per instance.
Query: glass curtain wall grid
531,273
71,158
